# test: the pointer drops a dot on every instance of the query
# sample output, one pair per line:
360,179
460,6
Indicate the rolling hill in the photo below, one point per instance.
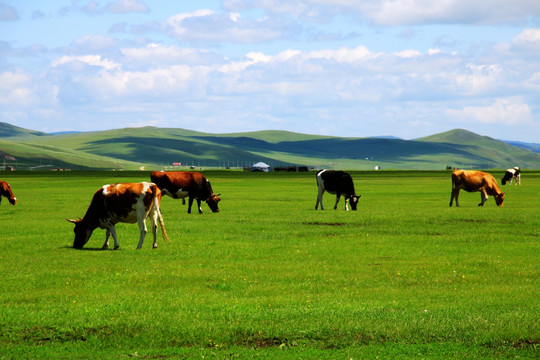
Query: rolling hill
150,147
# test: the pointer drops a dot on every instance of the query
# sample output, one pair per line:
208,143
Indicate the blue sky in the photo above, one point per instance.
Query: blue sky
351,68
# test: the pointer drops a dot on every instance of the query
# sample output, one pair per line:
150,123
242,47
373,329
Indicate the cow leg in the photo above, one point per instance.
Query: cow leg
337,200
112,230
319,199
190,202
144,230
154,220
454,195
199,205
106,244
346,203
484,197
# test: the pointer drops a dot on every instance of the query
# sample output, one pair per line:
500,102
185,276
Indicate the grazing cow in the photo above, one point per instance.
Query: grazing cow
511,174
127,203
339,183
181,184
5,191
472,181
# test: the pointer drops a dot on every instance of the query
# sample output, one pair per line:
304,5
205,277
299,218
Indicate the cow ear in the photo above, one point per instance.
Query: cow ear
73,221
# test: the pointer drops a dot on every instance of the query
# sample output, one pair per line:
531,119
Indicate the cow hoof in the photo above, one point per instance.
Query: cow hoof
154,246
105,247
116,247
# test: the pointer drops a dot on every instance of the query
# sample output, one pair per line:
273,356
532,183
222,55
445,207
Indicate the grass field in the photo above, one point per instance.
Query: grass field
405,276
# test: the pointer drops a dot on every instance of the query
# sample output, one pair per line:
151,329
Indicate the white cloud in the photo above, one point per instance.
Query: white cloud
91,60
22,94
342,55
408,53
401,12
94,43
506,111
166,83
528,40
127,6
323,77
207,26
114,7
302,9
176,22
158,55
479,79
16,89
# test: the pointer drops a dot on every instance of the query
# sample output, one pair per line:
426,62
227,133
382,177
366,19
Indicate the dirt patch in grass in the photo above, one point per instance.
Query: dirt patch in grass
320,223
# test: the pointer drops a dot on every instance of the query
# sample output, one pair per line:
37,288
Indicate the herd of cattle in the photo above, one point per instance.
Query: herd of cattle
135,202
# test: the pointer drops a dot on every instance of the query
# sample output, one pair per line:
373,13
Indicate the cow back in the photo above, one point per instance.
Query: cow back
337,181
117,202
161,179
193,182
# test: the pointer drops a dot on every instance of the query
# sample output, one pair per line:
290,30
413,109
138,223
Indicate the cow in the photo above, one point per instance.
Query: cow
511,174
5,191
339,183
181,184
126,203
472,181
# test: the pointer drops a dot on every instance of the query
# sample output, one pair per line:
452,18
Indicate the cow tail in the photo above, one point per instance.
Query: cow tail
160,219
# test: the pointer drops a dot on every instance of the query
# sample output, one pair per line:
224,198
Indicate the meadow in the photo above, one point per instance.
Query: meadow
405,276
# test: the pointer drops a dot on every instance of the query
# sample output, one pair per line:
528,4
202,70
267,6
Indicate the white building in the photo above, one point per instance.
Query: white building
260,166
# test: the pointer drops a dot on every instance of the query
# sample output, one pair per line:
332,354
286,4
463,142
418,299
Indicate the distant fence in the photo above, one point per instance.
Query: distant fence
100,163
97,163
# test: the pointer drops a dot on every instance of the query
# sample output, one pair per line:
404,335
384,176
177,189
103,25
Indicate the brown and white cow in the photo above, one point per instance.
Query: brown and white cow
181,184
126,203
472,181
339,183
5,191
512,174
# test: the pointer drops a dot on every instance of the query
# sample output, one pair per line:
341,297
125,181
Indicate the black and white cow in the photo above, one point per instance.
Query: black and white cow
339,183
511,174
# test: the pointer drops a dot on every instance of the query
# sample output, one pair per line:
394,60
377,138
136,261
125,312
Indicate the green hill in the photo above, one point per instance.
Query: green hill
150,147
498,152
8,130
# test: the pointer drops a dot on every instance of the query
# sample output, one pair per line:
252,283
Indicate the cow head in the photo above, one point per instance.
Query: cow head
499,198
353,201
212,202
5,190
82,233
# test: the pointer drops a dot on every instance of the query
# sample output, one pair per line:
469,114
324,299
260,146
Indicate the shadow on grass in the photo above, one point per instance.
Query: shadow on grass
84,249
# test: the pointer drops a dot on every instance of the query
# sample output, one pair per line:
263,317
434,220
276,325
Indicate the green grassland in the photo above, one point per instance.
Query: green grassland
405,276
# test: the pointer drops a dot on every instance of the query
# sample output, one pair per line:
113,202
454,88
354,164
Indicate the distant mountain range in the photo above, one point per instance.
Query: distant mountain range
152,148
531,146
